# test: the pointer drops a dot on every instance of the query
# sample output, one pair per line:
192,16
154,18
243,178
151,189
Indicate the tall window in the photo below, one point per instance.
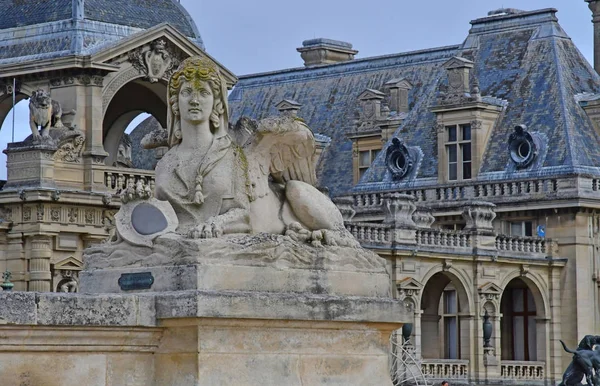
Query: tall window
518,323
450,325
365,159
458,152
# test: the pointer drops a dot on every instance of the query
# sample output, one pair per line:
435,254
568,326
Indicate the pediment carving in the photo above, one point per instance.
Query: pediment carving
69,264
156,60
490,291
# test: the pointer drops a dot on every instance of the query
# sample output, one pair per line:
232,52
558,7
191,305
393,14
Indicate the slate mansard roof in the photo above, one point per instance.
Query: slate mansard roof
524,59
43,29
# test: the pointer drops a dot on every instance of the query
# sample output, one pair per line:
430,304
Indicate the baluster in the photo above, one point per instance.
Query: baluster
361,233
368,233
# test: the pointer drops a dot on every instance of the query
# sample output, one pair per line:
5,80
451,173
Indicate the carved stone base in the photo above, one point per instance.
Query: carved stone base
268,263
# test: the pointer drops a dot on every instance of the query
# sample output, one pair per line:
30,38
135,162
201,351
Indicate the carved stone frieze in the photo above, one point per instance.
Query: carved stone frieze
27,214
55,214
476,124
89,216
72,214
156,61
6,214
40,212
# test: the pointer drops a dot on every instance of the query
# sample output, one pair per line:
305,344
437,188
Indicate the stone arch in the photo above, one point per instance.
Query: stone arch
523,328
6,101
126,97
537,287
446,305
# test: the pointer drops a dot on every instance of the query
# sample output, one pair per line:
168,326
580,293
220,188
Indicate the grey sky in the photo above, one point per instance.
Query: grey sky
262,35
257,36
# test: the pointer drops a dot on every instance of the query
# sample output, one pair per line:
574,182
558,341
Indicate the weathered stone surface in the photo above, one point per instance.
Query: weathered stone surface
17,308
270,263
95,310
253,305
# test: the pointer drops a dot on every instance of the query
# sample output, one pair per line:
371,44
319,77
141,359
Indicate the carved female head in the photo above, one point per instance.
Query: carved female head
196,72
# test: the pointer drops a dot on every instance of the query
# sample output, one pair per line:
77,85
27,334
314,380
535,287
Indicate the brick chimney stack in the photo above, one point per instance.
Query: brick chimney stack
595,8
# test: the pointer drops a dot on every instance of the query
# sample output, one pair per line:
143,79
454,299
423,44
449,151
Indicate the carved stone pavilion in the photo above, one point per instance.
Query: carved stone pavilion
474,169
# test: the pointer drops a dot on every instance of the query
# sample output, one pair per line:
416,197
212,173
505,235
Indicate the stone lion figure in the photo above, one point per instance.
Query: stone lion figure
43,112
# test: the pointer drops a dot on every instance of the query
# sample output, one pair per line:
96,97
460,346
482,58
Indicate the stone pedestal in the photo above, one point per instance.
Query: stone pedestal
248,310
30,164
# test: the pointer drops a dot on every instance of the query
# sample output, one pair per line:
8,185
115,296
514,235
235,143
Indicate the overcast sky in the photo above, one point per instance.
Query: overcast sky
262,35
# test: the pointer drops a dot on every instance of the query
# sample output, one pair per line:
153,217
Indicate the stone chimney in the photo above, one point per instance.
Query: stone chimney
288,107
398,94
325,51
595,8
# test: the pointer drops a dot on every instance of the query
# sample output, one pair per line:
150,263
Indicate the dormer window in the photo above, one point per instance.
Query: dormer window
365,159
458,152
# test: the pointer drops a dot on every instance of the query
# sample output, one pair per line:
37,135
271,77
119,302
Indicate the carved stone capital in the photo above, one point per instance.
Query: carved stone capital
479,216
423,218
398,209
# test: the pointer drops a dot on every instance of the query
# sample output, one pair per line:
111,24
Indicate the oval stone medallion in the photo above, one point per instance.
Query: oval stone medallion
148,219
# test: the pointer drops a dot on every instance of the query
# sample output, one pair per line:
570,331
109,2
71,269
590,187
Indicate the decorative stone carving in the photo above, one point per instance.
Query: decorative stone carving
40,212
73,214
69,282
70,148
6,214
522,147
124,152
398,209
27,214
398,159
55,195
43,112
55,214
89,216
479,216
423,218
156,61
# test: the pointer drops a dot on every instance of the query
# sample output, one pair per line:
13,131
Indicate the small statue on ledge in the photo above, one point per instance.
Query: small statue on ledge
45,113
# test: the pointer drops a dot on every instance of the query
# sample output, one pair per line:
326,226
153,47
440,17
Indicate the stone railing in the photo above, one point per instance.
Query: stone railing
486,191
442,238
370,234
521,244
522,371
445,369
117,179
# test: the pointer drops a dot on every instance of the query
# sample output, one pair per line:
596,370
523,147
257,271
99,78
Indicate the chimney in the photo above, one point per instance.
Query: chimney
325,51
398,94
595,8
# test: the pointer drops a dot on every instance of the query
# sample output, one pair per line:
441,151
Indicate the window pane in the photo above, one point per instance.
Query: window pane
466,151
518,299
452,153
466,170
451,333
450,302
531,338
364,158
452,172
466,132
451,133
374,154
528,228
361,172
519,343
516,229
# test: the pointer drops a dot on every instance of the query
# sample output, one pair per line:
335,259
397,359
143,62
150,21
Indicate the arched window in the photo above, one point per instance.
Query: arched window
518,324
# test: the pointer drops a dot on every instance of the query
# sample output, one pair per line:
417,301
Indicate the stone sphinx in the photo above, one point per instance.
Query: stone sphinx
245,196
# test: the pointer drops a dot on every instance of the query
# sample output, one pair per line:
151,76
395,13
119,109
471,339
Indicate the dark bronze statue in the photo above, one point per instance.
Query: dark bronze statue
585,363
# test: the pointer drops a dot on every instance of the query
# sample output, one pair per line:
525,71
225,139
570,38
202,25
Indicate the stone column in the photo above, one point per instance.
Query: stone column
39,263
398,210
595,8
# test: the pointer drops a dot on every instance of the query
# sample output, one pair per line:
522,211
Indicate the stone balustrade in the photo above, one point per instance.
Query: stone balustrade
514,190
371,234
445,369
117,179
522,371
527,245
443,238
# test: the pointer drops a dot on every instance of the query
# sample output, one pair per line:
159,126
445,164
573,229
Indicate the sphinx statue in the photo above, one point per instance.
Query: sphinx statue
217,182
